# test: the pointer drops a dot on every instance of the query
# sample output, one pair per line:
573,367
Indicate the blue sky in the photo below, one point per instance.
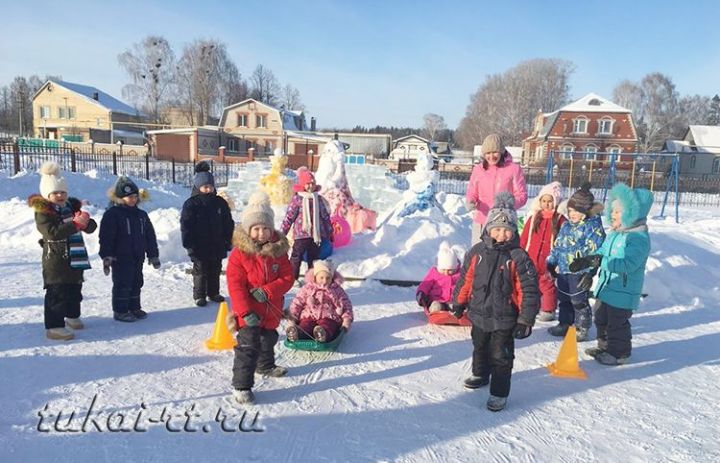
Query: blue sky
378,62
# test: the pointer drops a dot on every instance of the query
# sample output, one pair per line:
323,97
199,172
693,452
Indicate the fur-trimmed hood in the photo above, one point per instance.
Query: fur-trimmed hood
276,247
44,206
636,204
143,195
310,277
596,209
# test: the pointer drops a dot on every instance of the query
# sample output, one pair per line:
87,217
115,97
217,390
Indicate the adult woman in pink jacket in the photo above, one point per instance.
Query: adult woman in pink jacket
496,173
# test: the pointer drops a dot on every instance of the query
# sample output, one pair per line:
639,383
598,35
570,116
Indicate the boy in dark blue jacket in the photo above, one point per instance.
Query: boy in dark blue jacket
126,237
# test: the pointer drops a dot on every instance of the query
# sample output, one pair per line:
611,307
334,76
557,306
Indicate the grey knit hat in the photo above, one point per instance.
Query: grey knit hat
493,143
203,176
125,187
258,211
502,214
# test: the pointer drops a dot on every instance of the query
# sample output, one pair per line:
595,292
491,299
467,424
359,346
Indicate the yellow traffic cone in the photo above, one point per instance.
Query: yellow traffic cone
566,365
221,338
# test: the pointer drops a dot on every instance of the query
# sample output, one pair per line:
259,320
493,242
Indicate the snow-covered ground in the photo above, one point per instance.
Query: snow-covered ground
393,390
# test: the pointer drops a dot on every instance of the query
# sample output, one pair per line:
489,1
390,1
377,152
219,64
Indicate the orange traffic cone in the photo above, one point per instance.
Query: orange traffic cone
221,338
566,365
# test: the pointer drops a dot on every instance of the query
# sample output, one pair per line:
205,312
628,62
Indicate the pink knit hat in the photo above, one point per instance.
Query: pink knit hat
553,189
304,176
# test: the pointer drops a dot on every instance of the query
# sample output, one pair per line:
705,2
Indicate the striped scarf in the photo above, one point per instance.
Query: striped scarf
78,255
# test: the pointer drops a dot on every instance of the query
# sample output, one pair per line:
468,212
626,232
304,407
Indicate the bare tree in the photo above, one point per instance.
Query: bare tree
714,118
151,66
629,95
507,103
291,98
235,89
264,85
695,110
434,123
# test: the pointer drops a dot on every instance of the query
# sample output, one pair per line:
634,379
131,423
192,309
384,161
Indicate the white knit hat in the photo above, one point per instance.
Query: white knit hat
323,266
553,189
50,179
446,257
258,211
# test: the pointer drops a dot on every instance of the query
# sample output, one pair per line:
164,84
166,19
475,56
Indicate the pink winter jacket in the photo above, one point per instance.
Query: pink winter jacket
321,302
484,184
437,286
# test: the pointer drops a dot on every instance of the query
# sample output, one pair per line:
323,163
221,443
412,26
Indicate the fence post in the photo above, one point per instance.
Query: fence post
632,177
173,170
72,160
114,163
572,160
227,173
652,179
16,156
147,165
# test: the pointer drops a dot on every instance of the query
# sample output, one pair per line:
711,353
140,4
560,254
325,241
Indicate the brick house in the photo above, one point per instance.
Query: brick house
592,125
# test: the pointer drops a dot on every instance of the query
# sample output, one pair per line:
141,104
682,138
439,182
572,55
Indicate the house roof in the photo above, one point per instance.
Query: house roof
594,103
288,116
424,140
704,136
105,100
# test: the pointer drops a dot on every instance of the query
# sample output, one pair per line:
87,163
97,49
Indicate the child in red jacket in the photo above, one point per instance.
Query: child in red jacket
537,239
258,276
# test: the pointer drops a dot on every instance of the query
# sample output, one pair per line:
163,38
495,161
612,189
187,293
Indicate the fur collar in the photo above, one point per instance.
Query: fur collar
143,195
276,247
44,206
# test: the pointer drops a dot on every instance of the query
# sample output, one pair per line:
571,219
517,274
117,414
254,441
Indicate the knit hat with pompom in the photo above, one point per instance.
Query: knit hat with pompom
258,211
50,179
503,214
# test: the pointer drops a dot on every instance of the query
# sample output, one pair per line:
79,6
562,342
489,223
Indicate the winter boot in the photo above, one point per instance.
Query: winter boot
74,323
582,335
128,317
545,316
243,396
140,314
292,333
435,306
607,358
495,403
274,372
474,382
320,334
594,351
59,334
218,298
201,302
558,330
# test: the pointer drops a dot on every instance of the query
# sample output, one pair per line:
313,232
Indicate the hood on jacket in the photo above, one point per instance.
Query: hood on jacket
553,189
40,204
596,209
336,278
276,247
636,203
143,195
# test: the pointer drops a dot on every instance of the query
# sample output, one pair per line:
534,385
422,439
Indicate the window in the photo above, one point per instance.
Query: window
566,151
716,166
261,121
590,152
71,112
693,159
614,149
62,112
605,126
580,125
44,112
242,120
232,144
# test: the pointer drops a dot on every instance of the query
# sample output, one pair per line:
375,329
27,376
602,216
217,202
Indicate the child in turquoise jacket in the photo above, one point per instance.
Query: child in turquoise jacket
621,261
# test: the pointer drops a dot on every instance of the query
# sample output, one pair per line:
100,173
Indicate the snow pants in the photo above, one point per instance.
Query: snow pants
206,277
61,301
613,329
548,292
307,325
493,355
127,280
299,248
255,350
574,306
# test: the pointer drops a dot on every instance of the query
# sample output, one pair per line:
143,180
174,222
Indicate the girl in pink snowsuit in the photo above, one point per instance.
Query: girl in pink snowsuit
322,307
435,291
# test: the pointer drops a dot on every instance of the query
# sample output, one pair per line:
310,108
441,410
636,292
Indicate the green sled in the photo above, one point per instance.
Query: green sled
314,346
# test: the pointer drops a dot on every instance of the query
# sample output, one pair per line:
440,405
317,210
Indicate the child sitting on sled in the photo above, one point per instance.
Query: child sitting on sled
435,291
322,308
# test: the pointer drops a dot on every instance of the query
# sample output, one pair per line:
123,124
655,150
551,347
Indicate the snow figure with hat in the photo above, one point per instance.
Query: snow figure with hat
308,216
331,176
421,195
61,222
498,288
537,238
259,275
322,307
126,237
581,234
276,184
621,260
206,227
435,291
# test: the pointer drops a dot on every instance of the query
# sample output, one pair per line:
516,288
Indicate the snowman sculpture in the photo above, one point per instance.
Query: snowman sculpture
421,194
276,184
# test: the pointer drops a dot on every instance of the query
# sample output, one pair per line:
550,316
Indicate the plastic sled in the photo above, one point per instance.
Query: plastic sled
314,346
342,234
443,317
326,250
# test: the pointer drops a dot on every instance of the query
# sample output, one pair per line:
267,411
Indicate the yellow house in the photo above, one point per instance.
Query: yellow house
75,112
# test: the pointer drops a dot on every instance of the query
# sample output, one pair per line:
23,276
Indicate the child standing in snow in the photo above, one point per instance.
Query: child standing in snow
60,220
309,218
537,239
322,307
126,237
435,291
621,261
498,287
206,226
581,235
258,276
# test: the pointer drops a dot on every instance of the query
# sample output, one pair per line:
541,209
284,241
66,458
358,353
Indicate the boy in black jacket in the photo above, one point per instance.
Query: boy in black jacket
498,287
126,237
207,227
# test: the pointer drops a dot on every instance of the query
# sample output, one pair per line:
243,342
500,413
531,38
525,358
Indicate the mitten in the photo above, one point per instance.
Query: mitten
521,331
585,282
346,325
551,270
470,205
259,294
81,220
251,319
457,310
155,262
231,322
582,263
422,299
107,263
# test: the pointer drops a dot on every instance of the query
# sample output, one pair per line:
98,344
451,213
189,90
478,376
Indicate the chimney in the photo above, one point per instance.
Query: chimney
96,96
312,124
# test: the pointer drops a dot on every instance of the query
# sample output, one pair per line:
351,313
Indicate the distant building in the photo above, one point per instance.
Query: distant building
699,150
409,147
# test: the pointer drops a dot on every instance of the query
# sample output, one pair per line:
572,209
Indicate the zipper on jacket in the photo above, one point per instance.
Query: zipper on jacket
127,221
624,275
142,227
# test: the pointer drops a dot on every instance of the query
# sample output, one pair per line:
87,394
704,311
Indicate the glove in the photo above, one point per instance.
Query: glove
155,262
81,220
259,294
107,263
457,310
582,263
231,322
346,325
551,270
470,205
585,282
521,331
422,299
251,319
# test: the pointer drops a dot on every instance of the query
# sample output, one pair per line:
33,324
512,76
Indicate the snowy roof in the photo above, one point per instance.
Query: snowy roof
105,100
424,140
704,136
548,123
310,136
288,116
594,103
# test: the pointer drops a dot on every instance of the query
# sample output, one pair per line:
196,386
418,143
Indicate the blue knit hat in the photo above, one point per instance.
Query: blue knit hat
203,176
125,187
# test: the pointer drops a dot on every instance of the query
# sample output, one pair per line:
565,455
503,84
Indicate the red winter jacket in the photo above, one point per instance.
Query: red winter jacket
539,243
266,267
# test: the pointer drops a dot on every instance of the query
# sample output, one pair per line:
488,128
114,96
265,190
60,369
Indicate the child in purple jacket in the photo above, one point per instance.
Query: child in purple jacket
436,290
